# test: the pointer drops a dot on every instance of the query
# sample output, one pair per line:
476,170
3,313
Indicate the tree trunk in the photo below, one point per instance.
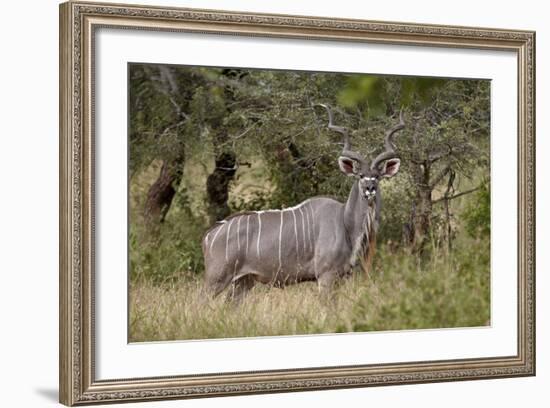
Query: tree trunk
423,208
422,219
162,191
448,229
217,186
448,193
217,183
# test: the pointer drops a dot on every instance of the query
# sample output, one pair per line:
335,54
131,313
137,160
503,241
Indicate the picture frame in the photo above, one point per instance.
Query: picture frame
79,295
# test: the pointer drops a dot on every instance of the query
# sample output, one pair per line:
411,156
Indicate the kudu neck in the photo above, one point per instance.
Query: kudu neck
355,211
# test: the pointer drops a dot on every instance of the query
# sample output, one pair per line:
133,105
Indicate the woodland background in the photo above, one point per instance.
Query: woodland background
207,142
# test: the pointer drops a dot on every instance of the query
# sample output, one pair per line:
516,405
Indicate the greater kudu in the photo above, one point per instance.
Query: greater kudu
320,239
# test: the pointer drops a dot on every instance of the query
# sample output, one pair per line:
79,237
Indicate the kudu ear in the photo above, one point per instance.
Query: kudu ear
391,167
349,166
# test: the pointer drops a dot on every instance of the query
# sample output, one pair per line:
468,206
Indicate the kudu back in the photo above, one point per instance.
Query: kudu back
320,239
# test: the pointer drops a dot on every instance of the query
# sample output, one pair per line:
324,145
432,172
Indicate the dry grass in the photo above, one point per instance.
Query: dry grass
179,311
445,291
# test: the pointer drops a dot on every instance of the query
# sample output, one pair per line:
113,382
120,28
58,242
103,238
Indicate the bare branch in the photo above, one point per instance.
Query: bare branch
169,128
432,158
167,77
234,139
243,133
417,161
168,85
235,166
440,176
456,195
450,184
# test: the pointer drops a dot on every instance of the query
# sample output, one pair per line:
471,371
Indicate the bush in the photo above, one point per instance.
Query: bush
477,215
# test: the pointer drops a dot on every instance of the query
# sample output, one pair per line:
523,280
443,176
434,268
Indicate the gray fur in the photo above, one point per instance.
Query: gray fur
332,238
325,249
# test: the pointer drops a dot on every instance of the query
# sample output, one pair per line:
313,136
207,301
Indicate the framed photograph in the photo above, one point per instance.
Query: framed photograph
256,203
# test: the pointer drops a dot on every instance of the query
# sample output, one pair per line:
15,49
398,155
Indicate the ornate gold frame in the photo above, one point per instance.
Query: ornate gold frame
77,24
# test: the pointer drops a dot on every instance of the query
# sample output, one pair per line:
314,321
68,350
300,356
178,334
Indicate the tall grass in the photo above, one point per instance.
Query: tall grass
446,289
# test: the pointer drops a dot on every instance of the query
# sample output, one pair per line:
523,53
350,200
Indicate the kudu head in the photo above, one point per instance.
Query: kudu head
353,164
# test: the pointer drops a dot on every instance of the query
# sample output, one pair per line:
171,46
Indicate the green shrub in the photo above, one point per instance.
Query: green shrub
477,215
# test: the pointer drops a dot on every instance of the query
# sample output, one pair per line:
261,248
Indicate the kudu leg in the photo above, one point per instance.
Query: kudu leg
326,283
240,288
216,283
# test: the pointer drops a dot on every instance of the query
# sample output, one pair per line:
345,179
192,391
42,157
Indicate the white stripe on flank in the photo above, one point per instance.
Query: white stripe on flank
303,229
227,239
280,239
247,225
216,234
295,233
308,225
312,230
259,233
239,234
